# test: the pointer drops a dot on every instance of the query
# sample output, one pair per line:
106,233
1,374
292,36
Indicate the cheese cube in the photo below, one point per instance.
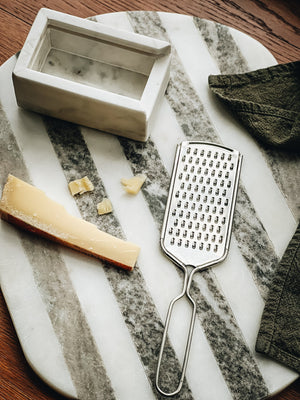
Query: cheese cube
133,185
104,207
81,186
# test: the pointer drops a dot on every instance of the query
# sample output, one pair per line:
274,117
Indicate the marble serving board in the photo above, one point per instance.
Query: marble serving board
92,331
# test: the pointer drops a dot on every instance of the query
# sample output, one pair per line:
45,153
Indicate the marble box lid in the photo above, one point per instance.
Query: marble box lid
92,74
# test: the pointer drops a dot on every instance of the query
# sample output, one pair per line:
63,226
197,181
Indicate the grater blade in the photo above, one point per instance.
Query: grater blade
198,217
198,220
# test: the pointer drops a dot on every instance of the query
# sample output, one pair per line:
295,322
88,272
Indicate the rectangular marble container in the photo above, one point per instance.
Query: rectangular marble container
91,74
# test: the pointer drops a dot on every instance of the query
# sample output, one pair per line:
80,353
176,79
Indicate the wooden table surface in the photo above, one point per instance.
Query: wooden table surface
275,23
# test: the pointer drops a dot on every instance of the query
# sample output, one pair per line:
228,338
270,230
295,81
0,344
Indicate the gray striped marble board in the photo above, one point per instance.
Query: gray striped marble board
93,331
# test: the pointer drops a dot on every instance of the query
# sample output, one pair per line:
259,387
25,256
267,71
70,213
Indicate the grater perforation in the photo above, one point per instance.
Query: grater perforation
198,218
204,180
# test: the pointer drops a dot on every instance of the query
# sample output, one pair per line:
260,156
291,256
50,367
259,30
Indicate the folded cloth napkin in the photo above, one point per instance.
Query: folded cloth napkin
279,333
267,102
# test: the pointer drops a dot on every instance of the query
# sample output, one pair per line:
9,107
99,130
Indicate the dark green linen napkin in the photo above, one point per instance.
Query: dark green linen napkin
279,333
267,102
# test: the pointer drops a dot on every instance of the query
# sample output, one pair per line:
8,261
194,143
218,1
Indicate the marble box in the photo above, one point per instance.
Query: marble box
92,74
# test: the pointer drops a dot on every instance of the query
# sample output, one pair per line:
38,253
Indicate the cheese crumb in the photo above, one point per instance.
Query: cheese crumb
104,207
133,185
81,186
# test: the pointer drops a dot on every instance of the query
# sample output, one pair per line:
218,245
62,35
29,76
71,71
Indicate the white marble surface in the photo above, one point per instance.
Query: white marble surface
91,74
96,74
101,327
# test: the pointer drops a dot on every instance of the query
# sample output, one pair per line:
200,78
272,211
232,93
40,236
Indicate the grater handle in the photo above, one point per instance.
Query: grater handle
185,292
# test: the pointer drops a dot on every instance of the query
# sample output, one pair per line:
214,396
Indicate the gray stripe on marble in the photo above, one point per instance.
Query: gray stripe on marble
136,305
230,60
222,332
144,158
196,125
285,167
222,47
250,233
233,356
73,332
51,276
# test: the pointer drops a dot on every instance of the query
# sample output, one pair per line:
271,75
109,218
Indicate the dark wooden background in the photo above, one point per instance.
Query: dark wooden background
275,23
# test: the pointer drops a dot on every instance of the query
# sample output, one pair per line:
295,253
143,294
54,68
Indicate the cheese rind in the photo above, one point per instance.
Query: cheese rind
30,208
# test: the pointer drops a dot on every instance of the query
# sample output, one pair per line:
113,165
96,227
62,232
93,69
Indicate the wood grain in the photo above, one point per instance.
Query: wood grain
275,23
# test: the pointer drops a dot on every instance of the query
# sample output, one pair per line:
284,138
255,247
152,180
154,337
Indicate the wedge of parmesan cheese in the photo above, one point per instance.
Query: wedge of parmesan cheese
29,208
80,186
133,185
104,207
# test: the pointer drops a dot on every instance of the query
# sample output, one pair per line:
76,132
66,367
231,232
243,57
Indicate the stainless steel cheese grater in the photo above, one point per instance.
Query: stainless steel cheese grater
198,219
